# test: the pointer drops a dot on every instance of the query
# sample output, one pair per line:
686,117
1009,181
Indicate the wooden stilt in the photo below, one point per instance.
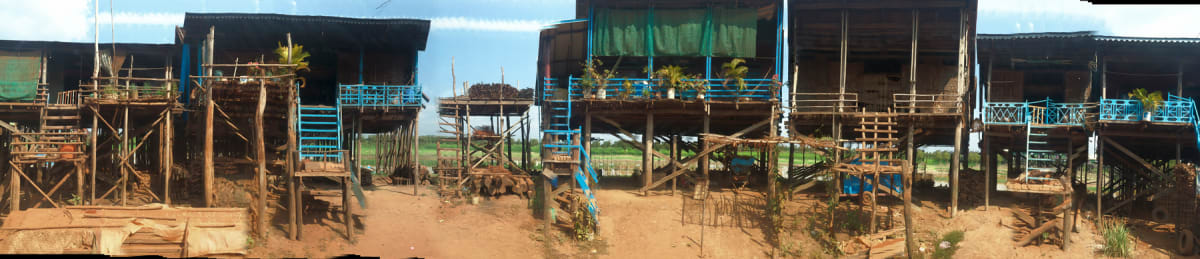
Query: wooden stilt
346,208
168,155
702,188
208,124
954,168
292,153
674,157
92,169
125,152
647,151
260,157
14,189
1099,177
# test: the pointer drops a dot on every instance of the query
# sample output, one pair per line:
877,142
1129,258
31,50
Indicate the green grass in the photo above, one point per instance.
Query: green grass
1116,239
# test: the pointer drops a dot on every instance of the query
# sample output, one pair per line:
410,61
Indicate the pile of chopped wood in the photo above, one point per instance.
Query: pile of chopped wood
496,180
972,186
498,91
1181,203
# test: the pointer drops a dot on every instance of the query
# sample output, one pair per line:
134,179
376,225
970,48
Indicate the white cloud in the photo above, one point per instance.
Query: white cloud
128,18
1123,20
56,20
475,24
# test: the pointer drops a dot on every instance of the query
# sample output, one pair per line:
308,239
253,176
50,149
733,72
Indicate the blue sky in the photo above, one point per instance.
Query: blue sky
483,35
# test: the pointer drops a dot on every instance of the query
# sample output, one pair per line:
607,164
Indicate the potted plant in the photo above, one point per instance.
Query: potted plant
626,89
594,78
734,71
1150,101
701,87
671,77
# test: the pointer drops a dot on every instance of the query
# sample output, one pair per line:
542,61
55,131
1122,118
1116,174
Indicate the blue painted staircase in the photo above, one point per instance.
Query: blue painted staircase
320,128
1039,154
562,143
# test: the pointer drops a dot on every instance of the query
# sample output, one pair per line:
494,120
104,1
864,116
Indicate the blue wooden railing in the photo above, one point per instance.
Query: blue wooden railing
1045,112
756,89
380,95
1174,110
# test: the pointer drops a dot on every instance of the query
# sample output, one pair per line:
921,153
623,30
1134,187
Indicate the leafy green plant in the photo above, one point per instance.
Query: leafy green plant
299,56
671,76
583,223
734,71
594,77
1116,239
952,239
1150,100
626,88
75,200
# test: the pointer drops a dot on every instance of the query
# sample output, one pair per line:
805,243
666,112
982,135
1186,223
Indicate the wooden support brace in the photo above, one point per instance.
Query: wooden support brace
1135,157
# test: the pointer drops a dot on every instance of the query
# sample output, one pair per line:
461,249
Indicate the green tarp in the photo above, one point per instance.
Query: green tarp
684,32
620,33
735,32
19,75
717,32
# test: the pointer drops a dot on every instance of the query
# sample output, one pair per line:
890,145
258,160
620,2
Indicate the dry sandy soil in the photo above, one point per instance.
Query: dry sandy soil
399,224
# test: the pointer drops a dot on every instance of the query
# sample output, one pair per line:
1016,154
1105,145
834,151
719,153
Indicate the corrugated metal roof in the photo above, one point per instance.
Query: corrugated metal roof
1087,34
1036,35
1148,40
254,29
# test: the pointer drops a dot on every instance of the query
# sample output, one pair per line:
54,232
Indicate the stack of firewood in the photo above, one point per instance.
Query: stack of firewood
973,185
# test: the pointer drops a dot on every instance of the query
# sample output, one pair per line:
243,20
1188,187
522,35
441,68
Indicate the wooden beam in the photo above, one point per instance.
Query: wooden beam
1134,156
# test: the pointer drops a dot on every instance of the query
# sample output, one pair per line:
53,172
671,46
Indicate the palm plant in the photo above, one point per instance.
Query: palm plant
298,55
734,71
1150,100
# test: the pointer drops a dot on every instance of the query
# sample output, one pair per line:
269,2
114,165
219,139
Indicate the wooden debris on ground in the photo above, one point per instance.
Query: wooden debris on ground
153,229
496,180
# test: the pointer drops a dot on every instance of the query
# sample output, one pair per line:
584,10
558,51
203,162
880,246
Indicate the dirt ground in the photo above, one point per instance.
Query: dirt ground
399,224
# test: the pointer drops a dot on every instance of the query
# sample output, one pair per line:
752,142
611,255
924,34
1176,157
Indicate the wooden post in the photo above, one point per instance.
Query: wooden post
208,123
548,203
14,189
674,157
772,157
260,157
170,131
909,237
79,178
1179,80
647,153
587,138
842,59
1099,176
125,151
954,168
1068,221
702,188
346,208
92,169
988,161
293,200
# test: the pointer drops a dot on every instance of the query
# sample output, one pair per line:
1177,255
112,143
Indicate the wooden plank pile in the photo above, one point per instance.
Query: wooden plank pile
154,229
